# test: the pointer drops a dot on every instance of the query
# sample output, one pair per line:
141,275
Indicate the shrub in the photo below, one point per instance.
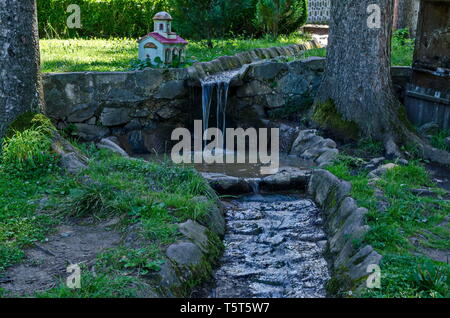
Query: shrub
134,18
280,16
99,18
207,19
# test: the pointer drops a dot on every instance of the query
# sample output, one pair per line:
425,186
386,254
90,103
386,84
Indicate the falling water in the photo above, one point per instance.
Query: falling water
221,84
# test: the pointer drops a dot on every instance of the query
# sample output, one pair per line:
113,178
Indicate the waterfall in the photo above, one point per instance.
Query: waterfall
221,84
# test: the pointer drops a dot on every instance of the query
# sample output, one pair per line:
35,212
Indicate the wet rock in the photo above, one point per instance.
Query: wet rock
288,134
166,277
286,179
353,229
253,88
224,184
265,255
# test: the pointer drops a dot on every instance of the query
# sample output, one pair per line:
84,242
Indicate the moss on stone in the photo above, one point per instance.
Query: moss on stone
339,283
21,123
327,116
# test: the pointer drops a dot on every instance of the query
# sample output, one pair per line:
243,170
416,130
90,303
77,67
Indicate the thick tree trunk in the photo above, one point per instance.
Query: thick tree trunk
358,79
357,76
19,60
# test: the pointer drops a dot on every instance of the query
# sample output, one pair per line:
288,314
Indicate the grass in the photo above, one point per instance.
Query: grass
404,273
102,55
105,55
153,196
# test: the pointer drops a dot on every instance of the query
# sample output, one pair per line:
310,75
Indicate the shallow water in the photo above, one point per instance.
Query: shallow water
243,170
273,248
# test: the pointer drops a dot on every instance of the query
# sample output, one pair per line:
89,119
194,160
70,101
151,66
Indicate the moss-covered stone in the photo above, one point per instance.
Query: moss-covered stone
327,116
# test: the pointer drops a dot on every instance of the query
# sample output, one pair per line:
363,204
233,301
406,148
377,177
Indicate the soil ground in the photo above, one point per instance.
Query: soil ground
45,265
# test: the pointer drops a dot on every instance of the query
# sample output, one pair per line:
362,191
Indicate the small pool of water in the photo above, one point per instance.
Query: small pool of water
243,170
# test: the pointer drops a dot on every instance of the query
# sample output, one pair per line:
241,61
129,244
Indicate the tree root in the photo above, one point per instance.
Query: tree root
425,150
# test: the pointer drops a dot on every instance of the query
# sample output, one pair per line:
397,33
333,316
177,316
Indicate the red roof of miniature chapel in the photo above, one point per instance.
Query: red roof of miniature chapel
163,40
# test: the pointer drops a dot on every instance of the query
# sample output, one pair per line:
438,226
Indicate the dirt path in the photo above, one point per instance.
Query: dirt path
45,265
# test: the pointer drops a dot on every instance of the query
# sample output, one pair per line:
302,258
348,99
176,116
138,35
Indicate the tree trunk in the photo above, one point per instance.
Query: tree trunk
358,79
408,15
19,60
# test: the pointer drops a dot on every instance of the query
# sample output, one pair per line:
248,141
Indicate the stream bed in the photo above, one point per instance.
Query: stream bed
273,249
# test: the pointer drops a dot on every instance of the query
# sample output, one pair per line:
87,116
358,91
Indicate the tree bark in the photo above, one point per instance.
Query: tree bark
358,78
20,89
408,15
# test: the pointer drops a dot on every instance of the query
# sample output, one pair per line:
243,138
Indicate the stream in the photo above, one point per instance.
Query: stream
273,249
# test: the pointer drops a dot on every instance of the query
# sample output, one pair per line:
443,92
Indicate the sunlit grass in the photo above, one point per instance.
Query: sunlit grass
108,55
78,55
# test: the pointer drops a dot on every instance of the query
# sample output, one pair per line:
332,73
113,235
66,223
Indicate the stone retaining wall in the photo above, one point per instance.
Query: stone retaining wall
345,226
143,107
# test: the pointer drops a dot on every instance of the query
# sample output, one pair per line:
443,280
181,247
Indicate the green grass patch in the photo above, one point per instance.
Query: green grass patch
96,286
408,216
155,196
78,55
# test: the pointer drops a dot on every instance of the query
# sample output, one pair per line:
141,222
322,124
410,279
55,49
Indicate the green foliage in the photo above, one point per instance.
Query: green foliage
128,260
438,140
20,226
280,16
99,18
406,276
402,48
29,151
433,279
21,123
96,286
207,19
327,115
407,216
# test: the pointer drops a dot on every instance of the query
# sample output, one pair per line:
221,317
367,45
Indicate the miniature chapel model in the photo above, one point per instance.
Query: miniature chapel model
162,42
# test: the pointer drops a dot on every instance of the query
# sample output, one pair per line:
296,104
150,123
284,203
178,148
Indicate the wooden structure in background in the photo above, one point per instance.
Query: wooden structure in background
428,95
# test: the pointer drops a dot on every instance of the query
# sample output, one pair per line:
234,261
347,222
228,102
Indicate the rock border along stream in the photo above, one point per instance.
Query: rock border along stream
333,227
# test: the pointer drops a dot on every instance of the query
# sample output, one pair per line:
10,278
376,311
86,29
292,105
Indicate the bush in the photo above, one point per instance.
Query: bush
280,16
207,19
99,18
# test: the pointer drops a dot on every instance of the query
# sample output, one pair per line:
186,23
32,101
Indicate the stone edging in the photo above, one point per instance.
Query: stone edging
345,226
226,63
